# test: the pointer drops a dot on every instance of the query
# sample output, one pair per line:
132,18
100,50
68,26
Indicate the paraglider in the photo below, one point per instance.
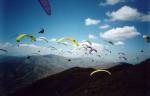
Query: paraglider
46,6
92,50
141,51
21,36
100,70
52,48
85,46
82,47
3,50
42,31
73,41
60,41
89,47
110,42
64,43
121,53
69,60
109,51
88,41
122,57
28,57
43,38
146,38
99,56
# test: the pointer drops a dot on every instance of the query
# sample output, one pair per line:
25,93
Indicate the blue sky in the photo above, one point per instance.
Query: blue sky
82,20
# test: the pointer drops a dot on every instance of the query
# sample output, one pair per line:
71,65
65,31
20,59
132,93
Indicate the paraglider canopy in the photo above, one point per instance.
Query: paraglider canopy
69,60
88,41
44,39
73,41
142,50
146,38
3,50
21,36
122,57
46,6
100,70
110,42
92,51
28,57
42,31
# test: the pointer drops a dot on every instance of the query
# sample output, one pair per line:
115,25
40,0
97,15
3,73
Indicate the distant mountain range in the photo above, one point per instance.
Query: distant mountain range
17,72
126,80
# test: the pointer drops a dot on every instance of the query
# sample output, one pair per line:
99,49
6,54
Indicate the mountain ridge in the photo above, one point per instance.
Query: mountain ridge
129,80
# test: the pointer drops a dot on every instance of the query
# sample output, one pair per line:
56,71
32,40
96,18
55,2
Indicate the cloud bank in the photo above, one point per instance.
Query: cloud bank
120,33
127,13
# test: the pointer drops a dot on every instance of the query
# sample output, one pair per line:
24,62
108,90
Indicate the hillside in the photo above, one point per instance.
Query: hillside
17,72
126,80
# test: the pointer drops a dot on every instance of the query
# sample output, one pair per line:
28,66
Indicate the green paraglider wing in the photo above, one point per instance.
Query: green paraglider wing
20,37
32,37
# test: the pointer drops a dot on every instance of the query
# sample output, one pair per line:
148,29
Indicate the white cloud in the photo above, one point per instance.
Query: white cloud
53,39
104,26
5,45
110,2
124,13
120,33
119,43
146,18
127,13
97,46
90,21
91,36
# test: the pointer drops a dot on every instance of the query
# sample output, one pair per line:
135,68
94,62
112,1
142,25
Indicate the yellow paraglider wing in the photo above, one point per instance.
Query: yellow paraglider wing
73,41
99,70
32,37
20,37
